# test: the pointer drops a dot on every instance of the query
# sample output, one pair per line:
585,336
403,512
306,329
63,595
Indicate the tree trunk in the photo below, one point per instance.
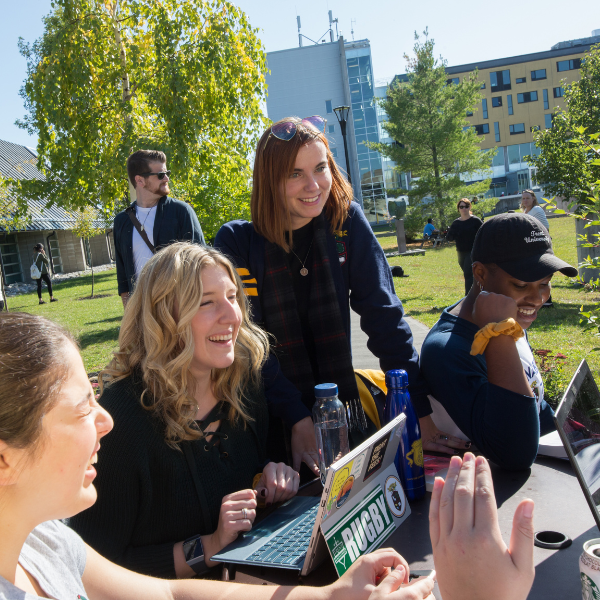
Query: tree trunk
2,286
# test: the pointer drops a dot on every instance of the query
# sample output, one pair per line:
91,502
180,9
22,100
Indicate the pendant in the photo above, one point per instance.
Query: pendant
304,271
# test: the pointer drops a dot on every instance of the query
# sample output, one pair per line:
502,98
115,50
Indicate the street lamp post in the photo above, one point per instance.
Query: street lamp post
341,112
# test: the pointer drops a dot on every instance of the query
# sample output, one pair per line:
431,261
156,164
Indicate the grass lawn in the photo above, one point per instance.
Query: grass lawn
436,281
95,323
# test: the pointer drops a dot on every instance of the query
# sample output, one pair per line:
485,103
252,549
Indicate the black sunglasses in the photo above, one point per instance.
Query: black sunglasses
462,206
160,175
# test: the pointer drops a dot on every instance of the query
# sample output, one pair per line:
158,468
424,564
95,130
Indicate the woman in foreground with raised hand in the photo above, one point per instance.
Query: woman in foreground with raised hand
471,559
50,432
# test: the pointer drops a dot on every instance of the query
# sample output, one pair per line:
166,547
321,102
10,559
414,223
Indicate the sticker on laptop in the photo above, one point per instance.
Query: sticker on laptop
343,481
361,531
394,496
344,492
377,456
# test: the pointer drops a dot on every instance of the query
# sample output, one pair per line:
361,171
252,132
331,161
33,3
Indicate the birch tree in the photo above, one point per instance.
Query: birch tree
109,77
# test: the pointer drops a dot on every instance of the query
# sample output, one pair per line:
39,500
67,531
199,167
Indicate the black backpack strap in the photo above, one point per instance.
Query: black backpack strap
140,229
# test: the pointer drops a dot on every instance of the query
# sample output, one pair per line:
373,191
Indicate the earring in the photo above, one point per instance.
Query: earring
480,286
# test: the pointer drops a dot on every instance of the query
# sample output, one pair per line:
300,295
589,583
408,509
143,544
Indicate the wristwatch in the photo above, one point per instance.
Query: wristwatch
194,555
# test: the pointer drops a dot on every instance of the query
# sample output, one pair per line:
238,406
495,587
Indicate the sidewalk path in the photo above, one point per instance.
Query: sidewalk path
361,355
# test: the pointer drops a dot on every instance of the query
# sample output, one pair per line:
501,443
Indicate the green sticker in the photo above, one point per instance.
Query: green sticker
361,531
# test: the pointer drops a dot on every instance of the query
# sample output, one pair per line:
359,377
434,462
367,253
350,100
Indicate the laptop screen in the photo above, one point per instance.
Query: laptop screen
578,419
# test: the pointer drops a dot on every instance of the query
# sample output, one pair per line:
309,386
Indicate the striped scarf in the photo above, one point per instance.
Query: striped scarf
282,321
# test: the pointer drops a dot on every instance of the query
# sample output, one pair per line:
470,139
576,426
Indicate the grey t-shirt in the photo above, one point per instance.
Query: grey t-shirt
55,555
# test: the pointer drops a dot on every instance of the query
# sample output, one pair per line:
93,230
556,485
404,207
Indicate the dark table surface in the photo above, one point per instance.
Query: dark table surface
559,506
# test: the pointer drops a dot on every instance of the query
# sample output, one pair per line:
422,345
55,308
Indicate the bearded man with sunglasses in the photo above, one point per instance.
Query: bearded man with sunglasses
153,221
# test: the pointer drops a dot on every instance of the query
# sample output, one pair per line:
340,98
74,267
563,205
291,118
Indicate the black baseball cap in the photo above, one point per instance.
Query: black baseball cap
520,245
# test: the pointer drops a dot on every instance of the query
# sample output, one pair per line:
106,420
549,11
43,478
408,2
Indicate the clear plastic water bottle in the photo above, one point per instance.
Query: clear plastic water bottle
409,458
331,426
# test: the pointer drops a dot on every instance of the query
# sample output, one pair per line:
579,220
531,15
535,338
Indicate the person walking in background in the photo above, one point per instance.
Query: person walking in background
463,230
530,206
42,263
154,220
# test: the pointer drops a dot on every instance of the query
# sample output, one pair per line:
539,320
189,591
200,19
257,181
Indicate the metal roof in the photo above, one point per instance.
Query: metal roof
19,162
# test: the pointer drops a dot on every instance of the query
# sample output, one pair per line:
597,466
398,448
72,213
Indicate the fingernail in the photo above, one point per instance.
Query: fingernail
528,510
468,445
468,457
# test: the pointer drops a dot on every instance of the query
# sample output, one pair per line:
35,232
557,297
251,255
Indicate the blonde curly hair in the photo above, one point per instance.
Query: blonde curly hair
156,339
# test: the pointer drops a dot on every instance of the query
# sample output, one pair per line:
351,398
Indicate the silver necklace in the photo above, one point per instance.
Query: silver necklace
303,270
149,213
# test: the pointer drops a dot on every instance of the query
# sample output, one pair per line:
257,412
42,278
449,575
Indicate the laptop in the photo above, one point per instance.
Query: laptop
354,511
577,420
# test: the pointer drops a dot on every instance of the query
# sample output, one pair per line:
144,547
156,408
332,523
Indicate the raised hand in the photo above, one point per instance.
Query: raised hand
471,558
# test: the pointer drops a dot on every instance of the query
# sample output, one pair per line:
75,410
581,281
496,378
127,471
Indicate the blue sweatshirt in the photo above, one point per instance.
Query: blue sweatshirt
363,281
505,426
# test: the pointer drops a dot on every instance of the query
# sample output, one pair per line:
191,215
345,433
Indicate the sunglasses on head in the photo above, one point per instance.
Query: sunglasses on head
160,175
286,130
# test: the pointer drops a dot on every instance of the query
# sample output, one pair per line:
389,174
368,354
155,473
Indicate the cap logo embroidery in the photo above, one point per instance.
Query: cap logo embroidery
537,236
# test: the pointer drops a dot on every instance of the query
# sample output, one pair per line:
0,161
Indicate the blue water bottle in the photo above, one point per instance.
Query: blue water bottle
409,459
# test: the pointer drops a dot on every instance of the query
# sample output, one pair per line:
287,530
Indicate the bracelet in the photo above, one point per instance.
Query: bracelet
485,334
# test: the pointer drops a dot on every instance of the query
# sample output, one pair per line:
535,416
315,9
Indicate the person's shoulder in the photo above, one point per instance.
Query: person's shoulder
234,234
55,539
122,398
450,330
177,205
476,220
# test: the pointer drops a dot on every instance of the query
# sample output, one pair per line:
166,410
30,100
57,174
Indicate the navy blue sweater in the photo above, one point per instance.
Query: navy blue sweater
504,425
175,221
362,280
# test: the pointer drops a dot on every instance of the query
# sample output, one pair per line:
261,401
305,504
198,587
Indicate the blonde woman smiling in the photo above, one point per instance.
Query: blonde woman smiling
191,421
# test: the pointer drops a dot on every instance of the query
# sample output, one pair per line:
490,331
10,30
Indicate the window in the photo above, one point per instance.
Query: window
497,101
568,65
485,110
521,79
454,81
527,97
11,259
516,128
497,131
548,121
481,129
469,113
328,107
539,74
331,128
546,104
482,86
534,128
334,152
500,80
559,92
510,106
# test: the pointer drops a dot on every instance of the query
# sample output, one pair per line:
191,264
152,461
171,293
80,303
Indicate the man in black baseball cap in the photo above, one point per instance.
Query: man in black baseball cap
477,361
519,245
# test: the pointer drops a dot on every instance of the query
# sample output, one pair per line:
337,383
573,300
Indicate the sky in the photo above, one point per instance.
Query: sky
464,32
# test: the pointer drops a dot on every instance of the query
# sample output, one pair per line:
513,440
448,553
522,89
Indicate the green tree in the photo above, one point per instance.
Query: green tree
563,164
432,139
89,222
109,77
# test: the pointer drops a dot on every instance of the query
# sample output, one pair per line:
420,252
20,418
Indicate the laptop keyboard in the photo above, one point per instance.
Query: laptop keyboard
290,546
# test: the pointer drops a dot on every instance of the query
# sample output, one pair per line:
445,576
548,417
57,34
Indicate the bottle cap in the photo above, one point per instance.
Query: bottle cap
396,378
326,390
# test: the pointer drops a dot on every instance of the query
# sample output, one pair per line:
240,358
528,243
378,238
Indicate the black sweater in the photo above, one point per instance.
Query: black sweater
464,233
147,501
